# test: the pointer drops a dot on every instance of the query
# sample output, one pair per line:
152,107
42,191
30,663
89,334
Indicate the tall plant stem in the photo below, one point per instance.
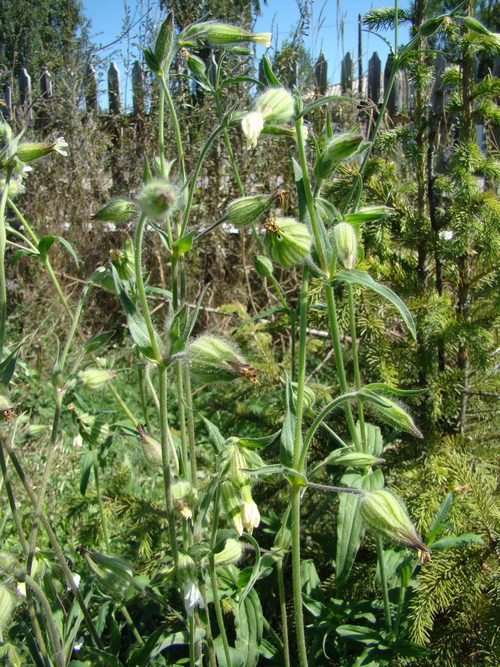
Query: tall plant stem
177,129
309,196
339,361
49,619
296,487
383,581
213,577
190,424
12,503
284,619
165,454
3,242
355,363
54,543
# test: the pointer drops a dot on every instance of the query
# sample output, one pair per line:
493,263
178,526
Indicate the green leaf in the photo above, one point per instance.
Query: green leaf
216,438
384,387
363,279
97,340
86,464
312,595
451,541
324,100
350,528
151,60
241,79
268,72
248,621
361,634
136,323
20,253
183,245
8,366
288,428
69,248
45,244
258,443
375,443
438,524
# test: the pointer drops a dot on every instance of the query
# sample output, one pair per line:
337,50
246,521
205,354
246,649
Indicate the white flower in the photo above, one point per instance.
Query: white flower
192,597
60,146
252,125
250,515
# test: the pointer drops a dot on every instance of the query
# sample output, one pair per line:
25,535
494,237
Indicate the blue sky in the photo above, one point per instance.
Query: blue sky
333,30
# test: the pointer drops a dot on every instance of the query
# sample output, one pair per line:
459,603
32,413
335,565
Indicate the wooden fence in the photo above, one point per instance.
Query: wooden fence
28,97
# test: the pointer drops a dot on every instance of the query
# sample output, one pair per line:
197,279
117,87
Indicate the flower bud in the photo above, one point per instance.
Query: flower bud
95,378
220,34
309,396
231,553
368,214
151,448
30,151
123,260
263,266
472,24
385,513
6,606
186,568
339,148
346,244
396,415
245,210
430,26
211,359
117,210
157,199
287,241
354,460
275,105
236,464
196,65
250,515
231,505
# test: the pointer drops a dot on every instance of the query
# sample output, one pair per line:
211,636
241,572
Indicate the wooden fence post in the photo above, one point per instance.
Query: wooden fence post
346,73
25,94
114,99
321,74
374,70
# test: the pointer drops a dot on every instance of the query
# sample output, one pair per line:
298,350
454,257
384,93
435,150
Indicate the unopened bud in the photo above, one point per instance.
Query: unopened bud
430,26
385,513
396,415
123,260
6,606
231,505
237,463
231,553
263,266
157,199
354,460
368,214
30,151
220,34
346,244
151,448
287,241
95,378
474,25
341,147
186,568
245,210
213,360
117,210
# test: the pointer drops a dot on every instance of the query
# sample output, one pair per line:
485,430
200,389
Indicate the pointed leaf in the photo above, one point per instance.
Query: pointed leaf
86,464
451,541
363,279
268,72
329,99
288,428
45,244
69,248
183,245
8,366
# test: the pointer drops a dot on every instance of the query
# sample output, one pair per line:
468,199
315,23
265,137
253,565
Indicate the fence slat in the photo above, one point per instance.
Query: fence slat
45,84
114,90
138,89
25,93
374,71
321,74
346,74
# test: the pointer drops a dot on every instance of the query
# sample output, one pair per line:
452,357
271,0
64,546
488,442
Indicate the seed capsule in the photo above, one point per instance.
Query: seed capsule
346,244
385,513
211,359
263,266
287,241
339,148
117,210
245,210
231,553
151,448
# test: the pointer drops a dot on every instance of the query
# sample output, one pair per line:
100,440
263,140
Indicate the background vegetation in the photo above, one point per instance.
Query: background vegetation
437,249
